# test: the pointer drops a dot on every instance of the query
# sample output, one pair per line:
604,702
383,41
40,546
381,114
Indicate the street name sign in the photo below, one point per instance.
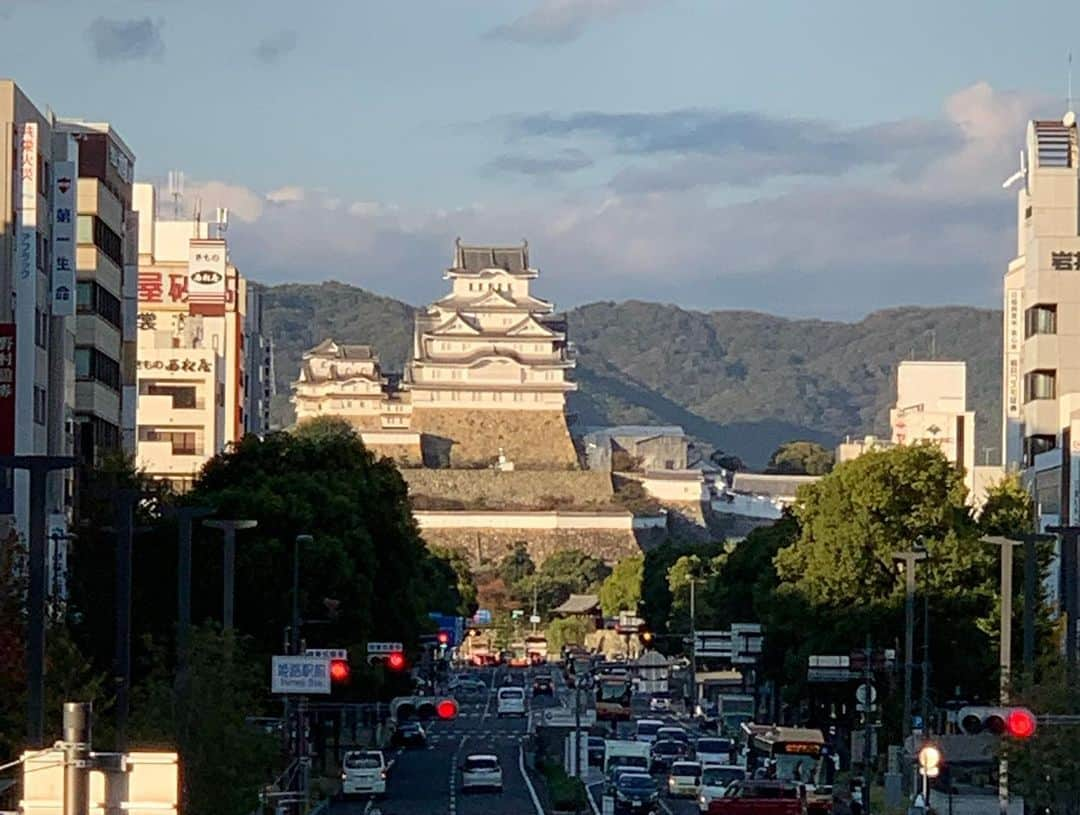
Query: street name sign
299,674
384,647
327,653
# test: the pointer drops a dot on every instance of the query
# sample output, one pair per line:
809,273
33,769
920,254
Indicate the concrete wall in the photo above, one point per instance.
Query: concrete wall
465,438
536,489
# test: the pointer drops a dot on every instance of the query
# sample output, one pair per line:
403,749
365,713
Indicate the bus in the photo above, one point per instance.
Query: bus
536,648
794,752
613,698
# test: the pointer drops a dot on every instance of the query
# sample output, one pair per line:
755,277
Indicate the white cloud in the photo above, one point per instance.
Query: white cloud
940,232
560,21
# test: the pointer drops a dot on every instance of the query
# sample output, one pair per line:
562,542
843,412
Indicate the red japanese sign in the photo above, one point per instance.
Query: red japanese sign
7,389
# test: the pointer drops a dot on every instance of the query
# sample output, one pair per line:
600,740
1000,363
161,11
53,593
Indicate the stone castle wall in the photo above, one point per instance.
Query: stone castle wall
488,546
469,438
522,489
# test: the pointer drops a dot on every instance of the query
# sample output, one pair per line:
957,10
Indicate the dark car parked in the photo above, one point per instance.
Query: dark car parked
409,734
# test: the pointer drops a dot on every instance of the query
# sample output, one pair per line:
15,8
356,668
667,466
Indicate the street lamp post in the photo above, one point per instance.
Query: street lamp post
229,528
38,468
693,650
907,561
297,712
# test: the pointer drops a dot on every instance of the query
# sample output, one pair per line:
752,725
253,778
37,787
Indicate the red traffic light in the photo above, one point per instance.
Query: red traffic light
446,709
444,638
395,661
339,671
1020,723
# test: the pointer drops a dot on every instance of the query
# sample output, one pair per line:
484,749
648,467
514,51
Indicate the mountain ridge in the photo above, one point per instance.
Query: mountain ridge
740,380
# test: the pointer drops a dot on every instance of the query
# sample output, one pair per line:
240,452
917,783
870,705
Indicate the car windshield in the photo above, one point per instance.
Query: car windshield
647,728
362,762
672,733
687,768
636,782
636,762
481,764
768,791
721,776
511,693
596,741
713,746
668,748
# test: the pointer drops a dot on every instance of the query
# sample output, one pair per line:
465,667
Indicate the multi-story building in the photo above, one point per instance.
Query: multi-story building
38,168
259,366
1041,354
106,265
192,366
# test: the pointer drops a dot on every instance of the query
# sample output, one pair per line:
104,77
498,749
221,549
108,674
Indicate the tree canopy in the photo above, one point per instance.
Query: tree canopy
801,458
621,590
566,572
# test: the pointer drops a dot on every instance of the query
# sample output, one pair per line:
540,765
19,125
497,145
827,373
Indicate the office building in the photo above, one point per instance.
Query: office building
38,166
193,335
106,268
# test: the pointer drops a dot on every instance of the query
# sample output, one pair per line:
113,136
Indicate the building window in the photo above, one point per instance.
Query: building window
92,298
185,442
1034,445
94,366
41,407
91,229
1040,319
1040,385
41,329
183,396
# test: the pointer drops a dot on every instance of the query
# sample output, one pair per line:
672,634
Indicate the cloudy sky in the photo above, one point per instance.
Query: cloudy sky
812,159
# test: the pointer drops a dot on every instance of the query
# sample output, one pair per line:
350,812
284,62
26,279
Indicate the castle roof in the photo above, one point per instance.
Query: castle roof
329,348
473,260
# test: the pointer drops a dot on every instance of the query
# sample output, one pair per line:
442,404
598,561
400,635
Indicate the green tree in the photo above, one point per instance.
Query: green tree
566,572
517,565
801,458
567,631
840,570
457,576
227,760
1008,510
621,590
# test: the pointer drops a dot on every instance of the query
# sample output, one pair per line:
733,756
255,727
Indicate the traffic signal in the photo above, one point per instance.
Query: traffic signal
446,709
393,661
930,761
1016,722
646,637
444,638
339,671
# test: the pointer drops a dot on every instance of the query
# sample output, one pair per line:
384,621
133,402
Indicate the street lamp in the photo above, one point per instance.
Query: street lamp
906,562
307,540
229,565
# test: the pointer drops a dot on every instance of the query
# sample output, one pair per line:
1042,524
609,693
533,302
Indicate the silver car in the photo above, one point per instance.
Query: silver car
481,771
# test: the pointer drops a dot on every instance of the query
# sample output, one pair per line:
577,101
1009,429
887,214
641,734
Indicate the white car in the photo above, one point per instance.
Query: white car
714,781
709,750
684,779
510,702
645,730
660,703
363,772
481,771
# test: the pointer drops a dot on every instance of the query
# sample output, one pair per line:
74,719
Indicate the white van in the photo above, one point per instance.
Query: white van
363,772
510,702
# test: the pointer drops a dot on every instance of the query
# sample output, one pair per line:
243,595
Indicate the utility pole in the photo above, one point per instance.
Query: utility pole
868,732
38,468
1070,590
300,748
229,567
925,707
693,650
125,534
907,561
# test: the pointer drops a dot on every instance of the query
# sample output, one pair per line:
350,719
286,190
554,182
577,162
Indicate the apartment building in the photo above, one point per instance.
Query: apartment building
38,166
106,268
194,345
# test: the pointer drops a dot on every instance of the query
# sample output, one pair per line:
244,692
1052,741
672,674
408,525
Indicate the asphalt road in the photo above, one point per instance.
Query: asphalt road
426,781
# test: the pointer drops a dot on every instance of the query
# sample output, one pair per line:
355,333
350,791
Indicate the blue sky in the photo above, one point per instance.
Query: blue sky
812,159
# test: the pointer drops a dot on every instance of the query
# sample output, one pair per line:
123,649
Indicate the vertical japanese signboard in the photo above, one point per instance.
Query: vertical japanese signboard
26,263
7,389
206,277
63,229
1013,342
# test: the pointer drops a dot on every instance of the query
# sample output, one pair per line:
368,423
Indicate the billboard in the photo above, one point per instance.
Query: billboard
206,277
25,283
7,389
65,181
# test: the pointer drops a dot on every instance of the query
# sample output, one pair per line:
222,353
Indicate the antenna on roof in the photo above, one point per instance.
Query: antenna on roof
1068,98
176,190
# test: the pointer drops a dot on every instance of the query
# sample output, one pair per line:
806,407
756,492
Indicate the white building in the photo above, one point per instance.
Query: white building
194,348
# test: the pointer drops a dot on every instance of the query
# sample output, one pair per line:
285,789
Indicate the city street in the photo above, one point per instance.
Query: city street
427,780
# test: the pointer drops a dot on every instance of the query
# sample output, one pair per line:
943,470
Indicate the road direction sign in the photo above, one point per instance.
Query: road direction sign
327,653
384,647
517,614
299,674
482,617
534,619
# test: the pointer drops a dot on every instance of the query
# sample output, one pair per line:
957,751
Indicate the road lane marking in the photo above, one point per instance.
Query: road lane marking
528,781
453,775
664,806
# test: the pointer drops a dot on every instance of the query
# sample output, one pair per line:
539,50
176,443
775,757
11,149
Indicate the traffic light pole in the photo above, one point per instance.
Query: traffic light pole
908,561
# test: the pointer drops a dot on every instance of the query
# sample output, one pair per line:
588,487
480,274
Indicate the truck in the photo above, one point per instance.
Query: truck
732,710
623,753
